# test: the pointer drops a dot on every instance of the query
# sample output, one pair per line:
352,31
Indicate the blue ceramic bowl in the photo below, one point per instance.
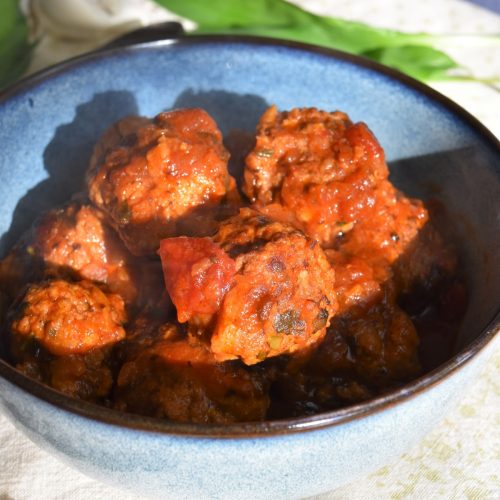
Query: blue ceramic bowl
48,125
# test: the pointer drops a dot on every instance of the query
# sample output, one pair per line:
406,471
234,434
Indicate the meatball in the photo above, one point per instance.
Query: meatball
266,288
172,376
363,354
319,165
371,337
328,176
425,265
166,179
370,345
62,333
75,242
381,346
120,132
16,269
392,226
397,243
68,318
86,376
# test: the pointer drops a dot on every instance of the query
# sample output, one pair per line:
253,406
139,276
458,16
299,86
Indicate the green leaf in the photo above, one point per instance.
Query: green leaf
420,61
413,54
425,63
235,13
15,50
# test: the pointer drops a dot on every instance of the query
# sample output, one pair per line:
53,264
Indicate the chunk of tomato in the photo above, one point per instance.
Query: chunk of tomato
198,273
360,135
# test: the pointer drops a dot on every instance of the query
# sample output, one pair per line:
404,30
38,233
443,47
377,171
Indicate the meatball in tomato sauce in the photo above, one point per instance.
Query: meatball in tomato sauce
378,348
370,346
170,375
332,287
62,333
120,132
72,242
263,287
328,176
319,165
387,232
359,358
166,179
371,338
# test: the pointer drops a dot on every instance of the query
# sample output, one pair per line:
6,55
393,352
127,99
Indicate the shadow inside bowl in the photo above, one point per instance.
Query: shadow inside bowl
229,109
66,159
466,185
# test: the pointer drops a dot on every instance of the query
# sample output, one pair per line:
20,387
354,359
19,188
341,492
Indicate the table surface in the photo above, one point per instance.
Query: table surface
460,458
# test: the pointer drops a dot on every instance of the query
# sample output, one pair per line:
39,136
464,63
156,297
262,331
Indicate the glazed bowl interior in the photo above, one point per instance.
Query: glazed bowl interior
49,124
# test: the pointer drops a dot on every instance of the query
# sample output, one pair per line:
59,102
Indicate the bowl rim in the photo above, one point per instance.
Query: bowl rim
270,428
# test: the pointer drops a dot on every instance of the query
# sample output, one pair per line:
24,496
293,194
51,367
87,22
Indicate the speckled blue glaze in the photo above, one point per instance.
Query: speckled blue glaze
47,128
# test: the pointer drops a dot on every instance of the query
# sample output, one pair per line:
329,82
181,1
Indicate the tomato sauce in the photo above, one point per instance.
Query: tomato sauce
162,290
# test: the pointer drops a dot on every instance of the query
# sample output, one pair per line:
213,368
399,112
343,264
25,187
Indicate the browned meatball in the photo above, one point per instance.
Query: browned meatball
382,346
329,177
78,238
387,231
371,345
84,376
120,132
269,286
358,283
426,263
164,180
72,241
319,165
62,333
360,357
176,377
68,318
371,338
398,246
282,298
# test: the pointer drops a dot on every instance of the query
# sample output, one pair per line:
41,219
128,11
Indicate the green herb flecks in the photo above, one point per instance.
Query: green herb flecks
320,320
275,342
289,323
124,213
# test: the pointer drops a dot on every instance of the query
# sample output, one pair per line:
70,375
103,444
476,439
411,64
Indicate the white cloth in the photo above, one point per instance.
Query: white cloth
461,457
